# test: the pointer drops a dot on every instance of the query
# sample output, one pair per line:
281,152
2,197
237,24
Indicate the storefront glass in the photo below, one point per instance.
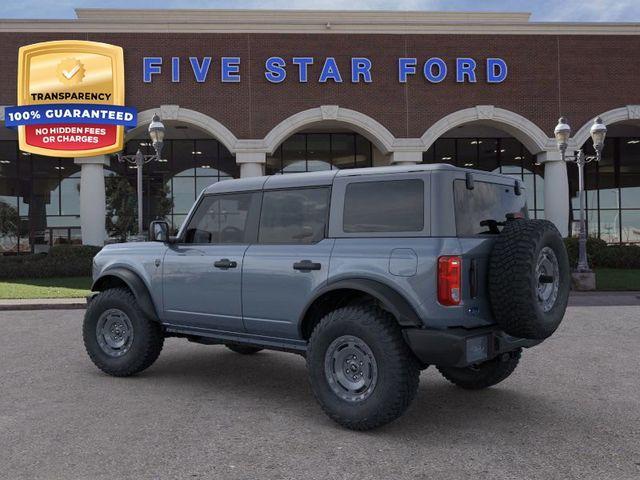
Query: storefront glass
307,152
501,155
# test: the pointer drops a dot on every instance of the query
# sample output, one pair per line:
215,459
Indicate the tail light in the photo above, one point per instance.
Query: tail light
449,281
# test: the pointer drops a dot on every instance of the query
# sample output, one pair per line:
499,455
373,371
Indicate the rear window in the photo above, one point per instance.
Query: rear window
486,203
385,206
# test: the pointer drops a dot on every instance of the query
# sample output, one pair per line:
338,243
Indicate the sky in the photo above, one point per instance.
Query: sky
542,10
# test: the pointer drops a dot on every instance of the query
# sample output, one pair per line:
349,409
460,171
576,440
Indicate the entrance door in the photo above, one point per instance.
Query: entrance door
202,273
289,262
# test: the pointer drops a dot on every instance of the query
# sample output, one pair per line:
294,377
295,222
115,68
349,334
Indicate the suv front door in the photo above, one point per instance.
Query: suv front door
289,262
202,273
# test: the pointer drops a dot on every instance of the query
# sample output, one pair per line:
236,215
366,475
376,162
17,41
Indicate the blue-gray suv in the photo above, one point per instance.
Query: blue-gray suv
371,274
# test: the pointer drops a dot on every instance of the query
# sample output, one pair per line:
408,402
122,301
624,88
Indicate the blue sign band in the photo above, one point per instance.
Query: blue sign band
70,113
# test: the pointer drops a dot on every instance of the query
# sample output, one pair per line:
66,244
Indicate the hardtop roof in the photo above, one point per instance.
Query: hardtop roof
326,177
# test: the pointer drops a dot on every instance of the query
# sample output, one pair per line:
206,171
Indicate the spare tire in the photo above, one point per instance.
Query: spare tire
529,278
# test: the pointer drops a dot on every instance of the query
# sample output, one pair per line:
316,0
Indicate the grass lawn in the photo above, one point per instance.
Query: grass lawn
617,279
69,287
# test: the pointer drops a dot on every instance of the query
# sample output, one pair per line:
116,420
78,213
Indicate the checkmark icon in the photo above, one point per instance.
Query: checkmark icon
71,73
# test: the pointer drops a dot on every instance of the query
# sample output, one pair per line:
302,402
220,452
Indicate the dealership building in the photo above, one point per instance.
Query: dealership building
246,93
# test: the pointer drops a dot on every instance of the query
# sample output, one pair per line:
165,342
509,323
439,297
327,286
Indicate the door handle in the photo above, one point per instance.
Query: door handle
225,263
306,265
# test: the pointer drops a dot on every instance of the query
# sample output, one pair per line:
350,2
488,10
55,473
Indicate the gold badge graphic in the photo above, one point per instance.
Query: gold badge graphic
70,71
83,84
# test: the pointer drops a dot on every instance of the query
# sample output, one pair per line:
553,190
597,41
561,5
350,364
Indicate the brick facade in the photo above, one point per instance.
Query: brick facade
575,75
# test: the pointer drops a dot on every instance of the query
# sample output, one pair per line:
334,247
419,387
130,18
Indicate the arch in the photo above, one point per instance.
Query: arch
531,136
197,119
629,112
377,133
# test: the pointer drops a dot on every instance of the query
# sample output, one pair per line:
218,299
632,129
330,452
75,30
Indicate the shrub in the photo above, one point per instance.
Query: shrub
601,255
61,261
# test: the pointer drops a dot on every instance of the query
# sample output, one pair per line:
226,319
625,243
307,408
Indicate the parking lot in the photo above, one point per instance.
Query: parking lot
571,410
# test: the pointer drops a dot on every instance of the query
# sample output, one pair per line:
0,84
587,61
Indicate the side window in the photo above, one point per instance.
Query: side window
386,206
224,218
486,203
294,216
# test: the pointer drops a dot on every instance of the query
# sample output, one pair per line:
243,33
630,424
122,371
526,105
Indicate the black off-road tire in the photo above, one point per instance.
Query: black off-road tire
146,343
242,349
485,374
398,371
513,281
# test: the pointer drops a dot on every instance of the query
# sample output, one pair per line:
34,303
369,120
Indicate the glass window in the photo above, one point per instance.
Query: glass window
8,159
274,162
182,163
445,151
294,216
631,226
487,202
228,218
343,150
363,152
70,196
488,154
294,154
318,151
429,155
511,156
184,194
467,150
388,206
609,225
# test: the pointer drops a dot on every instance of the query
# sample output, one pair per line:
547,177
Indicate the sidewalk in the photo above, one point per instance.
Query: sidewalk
576,299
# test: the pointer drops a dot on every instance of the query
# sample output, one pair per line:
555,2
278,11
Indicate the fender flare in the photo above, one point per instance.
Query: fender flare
392,301
135,284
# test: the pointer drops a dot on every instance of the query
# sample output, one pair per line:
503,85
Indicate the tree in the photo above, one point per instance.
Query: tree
121,207
9,221
161,200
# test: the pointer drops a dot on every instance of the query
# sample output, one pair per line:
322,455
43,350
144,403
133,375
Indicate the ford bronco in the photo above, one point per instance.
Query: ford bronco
371,274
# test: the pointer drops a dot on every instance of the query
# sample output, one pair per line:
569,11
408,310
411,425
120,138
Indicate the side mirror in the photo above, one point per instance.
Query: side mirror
159,231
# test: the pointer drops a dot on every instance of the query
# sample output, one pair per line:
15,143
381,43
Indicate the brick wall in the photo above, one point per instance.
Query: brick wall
578,76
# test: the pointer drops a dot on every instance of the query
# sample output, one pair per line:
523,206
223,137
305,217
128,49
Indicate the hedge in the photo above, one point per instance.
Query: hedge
601,255
61,261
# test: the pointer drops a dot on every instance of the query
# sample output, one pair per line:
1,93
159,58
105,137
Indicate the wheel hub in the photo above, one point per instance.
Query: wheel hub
350,368
548,278
114,332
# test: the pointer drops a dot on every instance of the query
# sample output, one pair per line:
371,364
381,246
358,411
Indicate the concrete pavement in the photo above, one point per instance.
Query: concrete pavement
571,410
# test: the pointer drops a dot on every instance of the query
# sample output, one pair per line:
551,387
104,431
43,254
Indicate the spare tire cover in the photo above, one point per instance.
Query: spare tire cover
529,278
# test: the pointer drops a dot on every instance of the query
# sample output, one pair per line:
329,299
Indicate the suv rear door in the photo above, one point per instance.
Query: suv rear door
289,261
202,273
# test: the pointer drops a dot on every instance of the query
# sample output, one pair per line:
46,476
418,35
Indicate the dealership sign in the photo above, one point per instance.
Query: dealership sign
70,99
323,70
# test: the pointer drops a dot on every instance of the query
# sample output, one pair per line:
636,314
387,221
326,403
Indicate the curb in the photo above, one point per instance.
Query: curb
42,304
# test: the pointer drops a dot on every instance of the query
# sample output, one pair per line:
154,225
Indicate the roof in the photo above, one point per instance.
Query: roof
325,177
310,21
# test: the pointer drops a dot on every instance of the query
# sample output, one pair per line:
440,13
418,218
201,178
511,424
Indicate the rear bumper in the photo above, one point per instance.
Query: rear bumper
460,347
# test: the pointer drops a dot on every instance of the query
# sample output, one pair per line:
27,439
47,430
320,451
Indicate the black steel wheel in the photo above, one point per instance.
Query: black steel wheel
360,368
118,337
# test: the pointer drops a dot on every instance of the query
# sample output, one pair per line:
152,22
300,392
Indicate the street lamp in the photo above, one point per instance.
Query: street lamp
156,133
562,133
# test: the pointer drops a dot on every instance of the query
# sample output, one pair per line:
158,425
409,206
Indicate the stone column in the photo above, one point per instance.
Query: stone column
405,158
92,199
556,190
251,163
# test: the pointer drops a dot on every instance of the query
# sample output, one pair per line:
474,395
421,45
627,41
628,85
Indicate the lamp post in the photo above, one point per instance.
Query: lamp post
562,133
156,133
